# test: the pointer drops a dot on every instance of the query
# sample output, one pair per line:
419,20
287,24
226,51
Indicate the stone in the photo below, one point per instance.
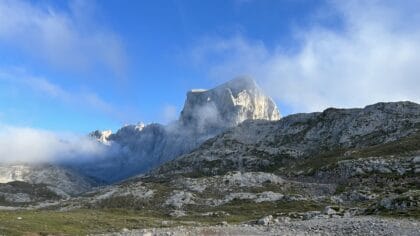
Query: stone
177,213
416,160
179,198
328,210
386,203
310,214
265,220
359,171
282,219
223,223
384,170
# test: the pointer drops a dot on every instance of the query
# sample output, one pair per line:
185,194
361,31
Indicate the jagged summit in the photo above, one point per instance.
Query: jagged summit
228,105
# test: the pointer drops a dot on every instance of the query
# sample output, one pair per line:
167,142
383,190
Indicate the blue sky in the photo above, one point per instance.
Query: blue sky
76,66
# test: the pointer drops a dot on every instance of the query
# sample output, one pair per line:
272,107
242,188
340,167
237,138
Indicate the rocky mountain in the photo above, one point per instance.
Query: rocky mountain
339,163
206,113
227,106
258,145
26,183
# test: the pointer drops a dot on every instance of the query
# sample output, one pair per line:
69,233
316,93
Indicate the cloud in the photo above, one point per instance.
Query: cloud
373,56
71,40
169,113
28,145
42,86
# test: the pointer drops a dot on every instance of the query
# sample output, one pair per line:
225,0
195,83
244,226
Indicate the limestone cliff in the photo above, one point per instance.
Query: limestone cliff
227,105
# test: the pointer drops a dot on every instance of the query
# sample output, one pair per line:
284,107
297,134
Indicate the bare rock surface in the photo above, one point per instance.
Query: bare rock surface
332,226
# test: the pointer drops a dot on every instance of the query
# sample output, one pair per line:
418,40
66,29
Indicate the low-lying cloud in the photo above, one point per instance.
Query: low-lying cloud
28,145
372,56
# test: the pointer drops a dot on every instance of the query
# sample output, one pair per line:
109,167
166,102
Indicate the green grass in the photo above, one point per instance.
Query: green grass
88,221
400,147
413,214
77,222
247,210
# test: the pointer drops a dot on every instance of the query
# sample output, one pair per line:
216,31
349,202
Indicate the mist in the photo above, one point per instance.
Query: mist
29,145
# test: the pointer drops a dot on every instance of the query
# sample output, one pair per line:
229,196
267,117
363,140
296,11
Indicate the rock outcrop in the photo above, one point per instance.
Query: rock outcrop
227,105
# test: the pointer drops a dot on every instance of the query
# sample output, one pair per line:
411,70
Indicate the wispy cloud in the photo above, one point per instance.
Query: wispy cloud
26,82
372,57
68,39
169,113
28,145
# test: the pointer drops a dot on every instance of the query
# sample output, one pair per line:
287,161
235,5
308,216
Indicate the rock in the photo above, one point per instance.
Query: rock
19,218
223,223
179,198
328,210
101,136
251,179
384,170
310,214
216,214
265,220
229,104
282,219
386,203
177,213
416,160
61,180
268,197
359,171
300,135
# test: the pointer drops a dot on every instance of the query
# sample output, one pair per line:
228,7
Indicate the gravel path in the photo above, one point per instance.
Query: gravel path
333,226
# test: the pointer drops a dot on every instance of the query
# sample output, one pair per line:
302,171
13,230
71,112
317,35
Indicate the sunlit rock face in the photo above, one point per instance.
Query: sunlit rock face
227,105
206,113
101,136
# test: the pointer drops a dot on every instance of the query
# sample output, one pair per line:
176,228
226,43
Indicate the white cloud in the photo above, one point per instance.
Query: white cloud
374,57
44,87
21,144
71,40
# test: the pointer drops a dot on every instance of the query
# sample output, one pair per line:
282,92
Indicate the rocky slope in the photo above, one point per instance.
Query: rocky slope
262,145
206,113
31,183
339,163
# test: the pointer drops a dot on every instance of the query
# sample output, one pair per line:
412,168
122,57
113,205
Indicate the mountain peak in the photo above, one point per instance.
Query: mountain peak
228,105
